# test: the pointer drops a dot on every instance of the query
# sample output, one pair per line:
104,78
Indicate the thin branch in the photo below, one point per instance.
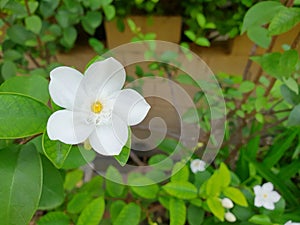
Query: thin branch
249,62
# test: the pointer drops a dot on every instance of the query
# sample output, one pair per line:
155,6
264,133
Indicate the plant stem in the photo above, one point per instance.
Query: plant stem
249,62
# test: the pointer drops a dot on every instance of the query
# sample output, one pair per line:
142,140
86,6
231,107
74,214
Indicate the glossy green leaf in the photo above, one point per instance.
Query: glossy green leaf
123,157
161,162
109,11
180,172
53,186
202,41
8,70
34,86
181,189
21,116
201,20
47,7
186,79
190,34
294,117
91,21
115,209
21,184
72,179
78,156
33,23
235,195
260,219
260,14
114,182
224,175
147,191
246,86
284,20
94,187
195,215
69,37
54,218
55,151
92,213
78,202
215,206
129,215
18,34
177,212
260,36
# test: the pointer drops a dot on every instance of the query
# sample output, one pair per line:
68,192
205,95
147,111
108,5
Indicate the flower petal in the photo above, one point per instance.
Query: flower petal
68,127
102,78
274,196
268,187
258,202
131,107
63,86
109,139
257,189
269,205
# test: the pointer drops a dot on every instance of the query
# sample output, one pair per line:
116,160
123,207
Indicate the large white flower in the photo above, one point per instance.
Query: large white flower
197,165
265,196
291,223
95,107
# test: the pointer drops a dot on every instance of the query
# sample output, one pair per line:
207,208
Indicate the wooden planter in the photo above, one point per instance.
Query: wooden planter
167,28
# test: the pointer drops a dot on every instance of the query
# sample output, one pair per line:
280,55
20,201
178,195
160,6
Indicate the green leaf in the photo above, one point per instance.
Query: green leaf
181,189
235,195
202,41
114,182
69,37
94,187
33,23
129,215
180,172
97,45
92,213
148,191
292,84
11,55
294,117
54,218
109,11
19,34
53,187
115,209
224,175
78,156
47,7
55,151
34,86
161,162
201,20
123,157
195,215
177,212
8,69
284,20
21,184
26,116
260,14
260,36
186,79
190,34
260,219
216,207
246,86
78,202
91,21
72,179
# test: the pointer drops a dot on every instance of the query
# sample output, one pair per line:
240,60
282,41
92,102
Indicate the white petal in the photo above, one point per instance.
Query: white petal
257,189
230,217
202,165
63,86
269,205
109,139
131,107
274,196
268,187
258,202
102,78
68,127
227,203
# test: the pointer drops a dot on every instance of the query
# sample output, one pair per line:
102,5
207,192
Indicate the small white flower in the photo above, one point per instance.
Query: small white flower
230,217
227,203
95,107
265,196
197,165
291,223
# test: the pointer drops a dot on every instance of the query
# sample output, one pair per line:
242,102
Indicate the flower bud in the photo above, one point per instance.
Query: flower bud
230,217
227,203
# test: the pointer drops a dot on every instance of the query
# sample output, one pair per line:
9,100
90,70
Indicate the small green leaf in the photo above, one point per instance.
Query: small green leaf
8,70
190,34
91,21
26,116
69,37
186,79
202,41
53,187
55,151
260,219
294,117
235,195
195,215
109,11
290,96
161,162
123,157
148,191
115,209
92,213
54,218
260,36
114,182
21,184
177,212
78,156
18,34
78,202
224,175
247,86
201,20
181,189
72,179
129,215
216,207
180,172
33,23
292,84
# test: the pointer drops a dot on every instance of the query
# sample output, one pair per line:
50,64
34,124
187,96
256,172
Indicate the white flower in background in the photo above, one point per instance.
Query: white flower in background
291,223
265,196
230,217
197,165
227,203
95,107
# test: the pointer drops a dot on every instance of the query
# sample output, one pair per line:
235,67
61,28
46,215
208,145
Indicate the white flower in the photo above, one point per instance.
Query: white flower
227,203
230,217
95,107
265,196
197,165
291,223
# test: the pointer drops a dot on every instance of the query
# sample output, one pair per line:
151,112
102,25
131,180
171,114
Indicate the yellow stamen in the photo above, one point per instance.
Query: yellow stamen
97,107
265,195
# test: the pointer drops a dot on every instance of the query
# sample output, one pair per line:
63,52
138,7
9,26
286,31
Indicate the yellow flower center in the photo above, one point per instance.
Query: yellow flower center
97,107
265,195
